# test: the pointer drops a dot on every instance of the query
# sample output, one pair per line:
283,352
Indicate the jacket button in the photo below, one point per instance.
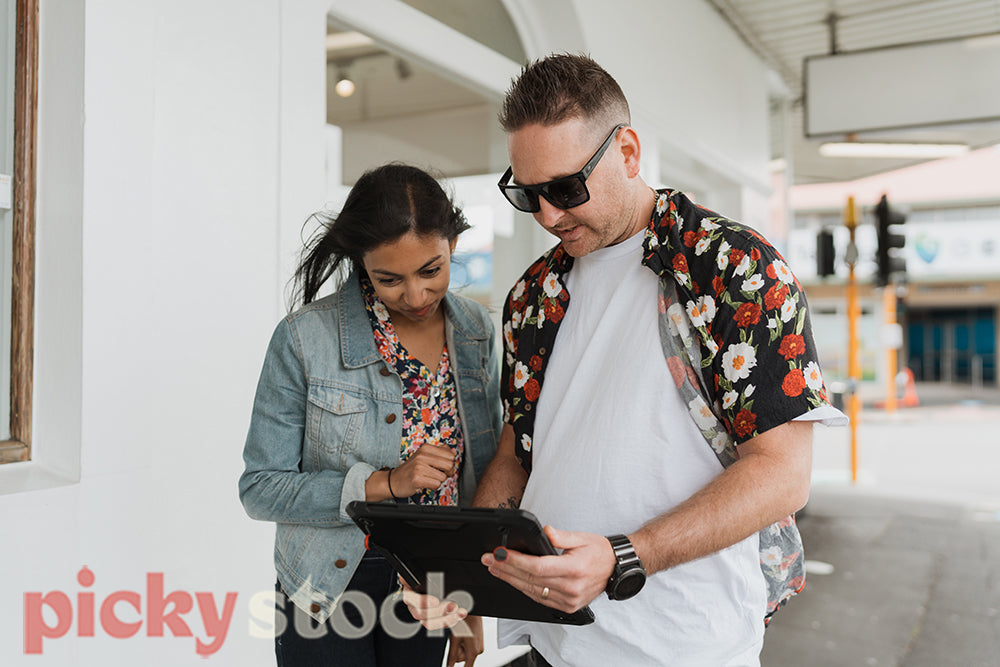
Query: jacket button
385,372
391,418
314,608
340,563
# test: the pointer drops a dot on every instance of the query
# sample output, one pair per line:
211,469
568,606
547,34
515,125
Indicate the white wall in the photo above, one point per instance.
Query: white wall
181,148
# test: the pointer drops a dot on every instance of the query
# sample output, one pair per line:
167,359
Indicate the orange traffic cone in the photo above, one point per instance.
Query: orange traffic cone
909,399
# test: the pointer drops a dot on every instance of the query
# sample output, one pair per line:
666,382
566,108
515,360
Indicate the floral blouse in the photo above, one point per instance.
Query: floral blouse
734,328
430,402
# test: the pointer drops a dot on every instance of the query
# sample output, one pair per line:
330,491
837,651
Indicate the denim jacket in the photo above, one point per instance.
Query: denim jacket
327,414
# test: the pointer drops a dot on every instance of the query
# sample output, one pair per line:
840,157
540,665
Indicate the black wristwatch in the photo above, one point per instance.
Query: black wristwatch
629,575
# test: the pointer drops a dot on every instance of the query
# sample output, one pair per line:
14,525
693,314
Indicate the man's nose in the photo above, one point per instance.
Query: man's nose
548,216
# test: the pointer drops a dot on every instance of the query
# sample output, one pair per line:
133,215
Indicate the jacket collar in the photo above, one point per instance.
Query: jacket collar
357,341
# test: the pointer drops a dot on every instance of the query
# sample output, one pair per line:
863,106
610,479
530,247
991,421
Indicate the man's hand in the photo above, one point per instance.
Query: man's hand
567,582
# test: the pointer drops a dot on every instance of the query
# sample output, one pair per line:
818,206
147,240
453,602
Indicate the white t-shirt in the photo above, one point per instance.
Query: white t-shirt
613,447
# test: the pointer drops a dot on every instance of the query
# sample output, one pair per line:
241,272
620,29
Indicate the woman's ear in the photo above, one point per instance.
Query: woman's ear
454,242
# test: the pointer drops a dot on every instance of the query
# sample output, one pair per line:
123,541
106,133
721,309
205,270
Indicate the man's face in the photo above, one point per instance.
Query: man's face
543,153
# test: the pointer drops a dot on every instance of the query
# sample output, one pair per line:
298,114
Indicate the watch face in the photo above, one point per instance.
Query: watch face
629,584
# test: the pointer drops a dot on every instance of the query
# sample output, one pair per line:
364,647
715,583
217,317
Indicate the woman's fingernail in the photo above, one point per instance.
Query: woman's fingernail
500,554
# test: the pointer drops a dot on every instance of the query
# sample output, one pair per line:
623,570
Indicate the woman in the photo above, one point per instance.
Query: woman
386,390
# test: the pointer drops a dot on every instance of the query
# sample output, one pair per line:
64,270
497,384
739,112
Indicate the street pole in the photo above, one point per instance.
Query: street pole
889,304
853,313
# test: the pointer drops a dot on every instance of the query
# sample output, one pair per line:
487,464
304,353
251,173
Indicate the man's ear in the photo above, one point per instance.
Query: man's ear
630,151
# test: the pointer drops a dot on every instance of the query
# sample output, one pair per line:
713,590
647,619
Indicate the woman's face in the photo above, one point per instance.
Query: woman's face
411,275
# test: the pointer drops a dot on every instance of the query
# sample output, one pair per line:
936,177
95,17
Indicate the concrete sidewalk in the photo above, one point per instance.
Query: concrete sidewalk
909,583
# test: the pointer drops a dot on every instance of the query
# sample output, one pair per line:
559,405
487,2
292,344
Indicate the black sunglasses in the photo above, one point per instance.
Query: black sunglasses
565,192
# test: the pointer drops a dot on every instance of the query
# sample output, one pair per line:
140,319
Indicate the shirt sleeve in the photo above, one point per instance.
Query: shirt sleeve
761,361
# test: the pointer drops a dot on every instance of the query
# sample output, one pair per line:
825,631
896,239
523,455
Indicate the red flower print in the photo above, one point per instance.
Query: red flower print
792,346
532,389
775,296
755,254
736,256
680,263
676,367
718,285
745,422
535,363
747,314
771,273
553,311
690,239
794,382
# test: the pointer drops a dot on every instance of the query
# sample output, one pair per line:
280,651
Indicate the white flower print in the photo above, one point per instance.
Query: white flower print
380,311
722,259
541,318
748,392
783,273
526,442
787,310
738,360
719,442
520,375
701,413
743,266
771,556
677,319
772,323
701,311
728,399
661,204
702,245
712,346
508,337
753,283
551,286
519,289
708,225
814,377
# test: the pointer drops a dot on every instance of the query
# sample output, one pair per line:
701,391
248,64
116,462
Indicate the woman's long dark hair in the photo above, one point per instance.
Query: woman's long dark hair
385,204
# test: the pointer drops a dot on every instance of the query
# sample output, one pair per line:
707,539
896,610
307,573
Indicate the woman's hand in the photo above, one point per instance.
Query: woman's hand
427,468
466,642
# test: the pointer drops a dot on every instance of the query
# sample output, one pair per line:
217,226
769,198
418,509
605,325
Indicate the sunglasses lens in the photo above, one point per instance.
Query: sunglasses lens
522,199
567,192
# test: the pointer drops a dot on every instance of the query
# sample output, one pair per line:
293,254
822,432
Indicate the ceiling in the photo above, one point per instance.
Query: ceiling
784,32
781,32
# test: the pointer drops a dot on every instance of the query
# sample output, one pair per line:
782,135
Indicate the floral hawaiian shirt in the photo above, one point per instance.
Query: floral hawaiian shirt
734,327
430,402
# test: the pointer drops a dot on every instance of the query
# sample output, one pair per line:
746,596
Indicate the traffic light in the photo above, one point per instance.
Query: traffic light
888,260
825,253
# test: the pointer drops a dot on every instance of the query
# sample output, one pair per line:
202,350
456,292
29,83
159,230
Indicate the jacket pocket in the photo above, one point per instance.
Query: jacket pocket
334,421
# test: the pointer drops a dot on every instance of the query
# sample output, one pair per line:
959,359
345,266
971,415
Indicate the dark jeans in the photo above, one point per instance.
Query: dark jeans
315,645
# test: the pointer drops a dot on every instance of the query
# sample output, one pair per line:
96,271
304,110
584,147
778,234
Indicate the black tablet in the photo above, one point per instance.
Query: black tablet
421,540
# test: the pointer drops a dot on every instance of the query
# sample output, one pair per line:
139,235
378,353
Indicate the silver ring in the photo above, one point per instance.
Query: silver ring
545,593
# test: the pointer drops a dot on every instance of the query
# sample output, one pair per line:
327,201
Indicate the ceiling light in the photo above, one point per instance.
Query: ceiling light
890,150
344,86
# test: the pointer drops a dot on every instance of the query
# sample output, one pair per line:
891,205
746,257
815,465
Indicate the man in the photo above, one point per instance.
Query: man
660,388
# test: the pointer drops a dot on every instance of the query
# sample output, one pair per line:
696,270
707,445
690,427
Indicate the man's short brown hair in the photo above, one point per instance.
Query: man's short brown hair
563,86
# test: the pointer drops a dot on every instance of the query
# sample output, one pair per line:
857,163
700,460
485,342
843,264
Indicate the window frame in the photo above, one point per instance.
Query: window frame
18,447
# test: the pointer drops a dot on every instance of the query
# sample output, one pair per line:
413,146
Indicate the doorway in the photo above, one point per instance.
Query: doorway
953,345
